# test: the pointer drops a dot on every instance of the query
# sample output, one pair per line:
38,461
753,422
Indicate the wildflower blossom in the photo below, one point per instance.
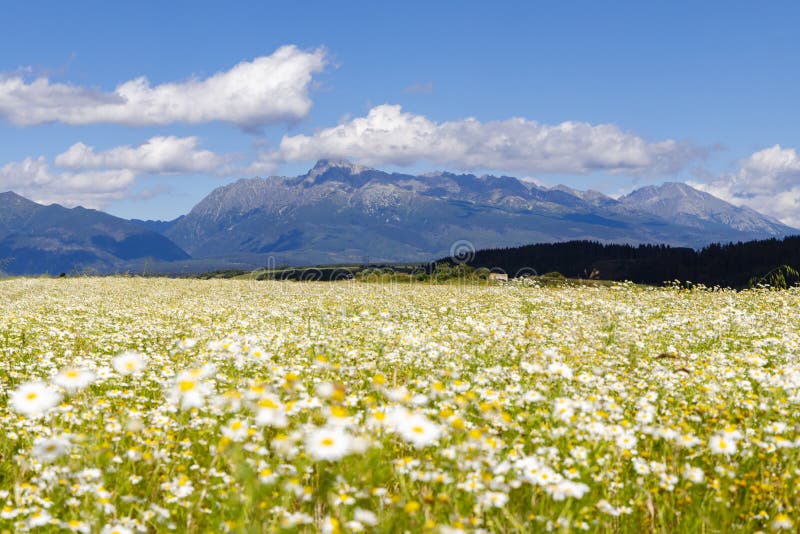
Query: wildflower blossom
271,412
419,430
47,450
34,399
189,389
328,443
236,430
73,379
722,444
693,474
128,363
782,522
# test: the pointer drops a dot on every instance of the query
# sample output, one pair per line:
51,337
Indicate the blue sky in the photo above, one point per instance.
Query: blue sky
697,92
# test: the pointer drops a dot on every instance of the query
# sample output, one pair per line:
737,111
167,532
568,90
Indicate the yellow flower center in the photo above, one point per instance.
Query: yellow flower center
267,403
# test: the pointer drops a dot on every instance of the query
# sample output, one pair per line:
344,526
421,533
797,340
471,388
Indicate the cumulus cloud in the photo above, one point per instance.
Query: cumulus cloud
269,89
159,155
388,135
33,178
767,181
84,176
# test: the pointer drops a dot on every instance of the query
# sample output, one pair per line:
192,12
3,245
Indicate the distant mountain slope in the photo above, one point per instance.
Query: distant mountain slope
691,207
52,239
157,226
340,212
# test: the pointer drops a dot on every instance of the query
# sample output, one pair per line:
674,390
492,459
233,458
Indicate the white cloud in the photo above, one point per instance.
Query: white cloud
771,168
94,179
767,181
34,179
268,89
159,155
262,166
388,135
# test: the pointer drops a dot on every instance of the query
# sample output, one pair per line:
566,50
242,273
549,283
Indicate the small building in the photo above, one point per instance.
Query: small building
498,277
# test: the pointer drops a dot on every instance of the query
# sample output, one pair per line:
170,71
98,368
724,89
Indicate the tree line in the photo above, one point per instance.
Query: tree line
774,262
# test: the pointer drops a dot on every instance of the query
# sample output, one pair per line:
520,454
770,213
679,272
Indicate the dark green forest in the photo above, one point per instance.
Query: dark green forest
774,262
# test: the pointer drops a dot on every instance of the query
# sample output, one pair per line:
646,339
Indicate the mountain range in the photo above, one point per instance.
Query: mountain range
53,239
339,212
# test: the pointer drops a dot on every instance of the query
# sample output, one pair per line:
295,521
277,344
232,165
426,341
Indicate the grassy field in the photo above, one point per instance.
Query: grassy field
149,405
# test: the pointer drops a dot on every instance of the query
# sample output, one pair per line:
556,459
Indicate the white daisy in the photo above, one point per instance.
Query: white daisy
73,379
186,343
365,516
493,499
73,525
179,487
687,440
574,490
39,518
236,430
47,450
626,441
34,399
721,444
559,369
189,390
693,474
271,412
128,362
419,430
782,522
328,443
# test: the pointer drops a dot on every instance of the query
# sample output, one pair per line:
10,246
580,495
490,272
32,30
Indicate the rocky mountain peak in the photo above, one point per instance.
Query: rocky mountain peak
342,166
683,203
10,198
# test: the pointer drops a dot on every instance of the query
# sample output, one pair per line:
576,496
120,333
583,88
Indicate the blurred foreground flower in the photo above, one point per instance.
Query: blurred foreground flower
34,399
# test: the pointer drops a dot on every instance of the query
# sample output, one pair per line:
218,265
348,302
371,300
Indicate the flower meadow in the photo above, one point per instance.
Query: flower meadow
155,405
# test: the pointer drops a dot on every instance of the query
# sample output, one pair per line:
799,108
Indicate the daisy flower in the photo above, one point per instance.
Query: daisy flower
782,522
721,444
328,443
73,525
271,412
39,518
47,450
34,399
626,441
236,430
128,363
419,431
189,390
116,529
365,516
694,475
186,343
73,379
493,499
